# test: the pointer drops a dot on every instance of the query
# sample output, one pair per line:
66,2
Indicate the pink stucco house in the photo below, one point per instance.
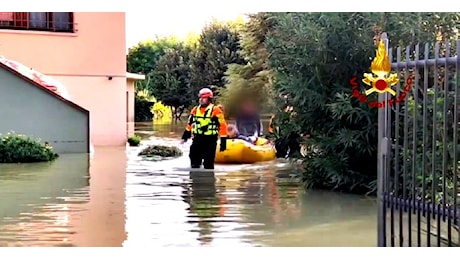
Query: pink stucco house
85,52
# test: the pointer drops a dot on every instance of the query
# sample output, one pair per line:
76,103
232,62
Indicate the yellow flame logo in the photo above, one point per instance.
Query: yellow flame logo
381,68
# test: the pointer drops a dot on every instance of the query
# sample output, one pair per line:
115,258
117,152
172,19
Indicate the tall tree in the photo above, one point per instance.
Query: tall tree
172,80
217,47
142,58
254,78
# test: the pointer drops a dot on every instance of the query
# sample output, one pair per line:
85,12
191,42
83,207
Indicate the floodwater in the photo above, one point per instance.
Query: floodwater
114,198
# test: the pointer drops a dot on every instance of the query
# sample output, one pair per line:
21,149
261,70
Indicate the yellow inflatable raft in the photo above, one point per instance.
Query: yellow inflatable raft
240,151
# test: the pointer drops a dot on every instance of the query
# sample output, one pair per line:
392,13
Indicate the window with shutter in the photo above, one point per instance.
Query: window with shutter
38,21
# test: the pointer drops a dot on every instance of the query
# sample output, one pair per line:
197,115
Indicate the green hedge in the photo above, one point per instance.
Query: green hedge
143,109
17,148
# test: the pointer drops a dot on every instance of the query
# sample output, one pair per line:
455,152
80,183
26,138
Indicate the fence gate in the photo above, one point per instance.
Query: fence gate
418,156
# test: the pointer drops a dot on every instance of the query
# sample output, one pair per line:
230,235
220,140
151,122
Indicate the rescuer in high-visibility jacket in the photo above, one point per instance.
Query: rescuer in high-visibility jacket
205,124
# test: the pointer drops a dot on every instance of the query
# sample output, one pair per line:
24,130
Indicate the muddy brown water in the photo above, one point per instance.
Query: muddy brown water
114,198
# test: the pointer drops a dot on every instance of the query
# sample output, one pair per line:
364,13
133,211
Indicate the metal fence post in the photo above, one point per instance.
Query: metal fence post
381,162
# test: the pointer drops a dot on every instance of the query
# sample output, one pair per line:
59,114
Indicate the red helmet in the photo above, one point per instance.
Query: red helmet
205,93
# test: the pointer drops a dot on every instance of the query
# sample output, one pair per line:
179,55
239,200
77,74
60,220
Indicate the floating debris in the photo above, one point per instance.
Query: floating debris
160,152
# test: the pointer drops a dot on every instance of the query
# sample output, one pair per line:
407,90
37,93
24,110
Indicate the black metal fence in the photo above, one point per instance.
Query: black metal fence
418,159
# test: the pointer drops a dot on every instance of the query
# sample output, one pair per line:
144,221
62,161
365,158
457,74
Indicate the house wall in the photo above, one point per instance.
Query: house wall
83,62
32,111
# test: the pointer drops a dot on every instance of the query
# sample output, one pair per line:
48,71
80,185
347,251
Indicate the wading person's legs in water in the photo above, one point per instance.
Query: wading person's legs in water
209,153
196,153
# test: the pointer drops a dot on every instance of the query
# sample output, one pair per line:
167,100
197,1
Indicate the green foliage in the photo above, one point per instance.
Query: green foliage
411,28
143,57
314,56
160,151
134,140
285,132
143,103
175,70
17,148
172,79
253,79
433,142
218,46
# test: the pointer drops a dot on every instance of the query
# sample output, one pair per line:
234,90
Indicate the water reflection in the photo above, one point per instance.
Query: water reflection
216,211
242,205
115,198
205,204
40,201
103,221
73,201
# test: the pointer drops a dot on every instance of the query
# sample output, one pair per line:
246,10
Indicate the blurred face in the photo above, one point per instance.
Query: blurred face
248,107
204,101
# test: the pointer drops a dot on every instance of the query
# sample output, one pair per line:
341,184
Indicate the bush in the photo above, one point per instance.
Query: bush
16,148
134,140
314,56
161,151
143,109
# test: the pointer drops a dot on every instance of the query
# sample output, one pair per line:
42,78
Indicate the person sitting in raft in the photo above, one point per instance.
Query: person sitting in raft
233,133
248,119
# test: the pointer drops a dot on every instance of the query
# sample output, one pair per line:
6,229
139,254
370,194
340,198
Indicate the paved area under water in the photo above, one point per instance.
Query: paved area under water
114,198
